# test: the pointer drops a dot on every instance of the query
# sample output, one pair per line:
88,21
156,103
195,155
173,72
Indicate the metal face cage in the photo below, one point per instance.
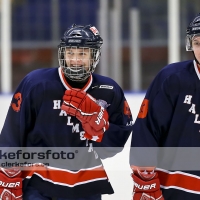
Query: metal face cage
78,63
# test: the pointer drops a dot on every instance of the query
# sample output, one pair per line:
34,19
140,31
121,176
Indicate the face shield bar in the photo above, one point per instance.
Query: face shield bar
188,41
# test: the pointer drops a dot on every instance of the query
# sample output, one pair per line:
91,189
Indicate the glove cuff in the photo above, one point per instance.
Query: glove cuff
11,172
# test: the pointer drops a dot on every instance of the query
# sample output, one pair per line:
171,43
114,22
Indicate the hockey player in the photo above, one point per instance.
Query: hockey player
69,106
168,120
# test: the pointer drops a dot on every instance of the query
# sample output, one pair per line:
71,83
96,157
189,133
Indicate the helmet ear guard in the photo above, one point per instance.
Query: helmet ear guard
80,37
188,43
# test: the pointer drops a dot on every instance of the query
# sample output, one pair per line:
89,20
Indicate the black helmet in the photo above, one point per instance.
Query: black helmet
192,30
83,37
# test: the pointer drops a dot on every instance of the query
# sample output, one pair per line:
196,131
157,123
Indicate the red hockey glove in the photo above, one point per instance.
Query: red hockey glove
146,185
98,137
10,184
94,118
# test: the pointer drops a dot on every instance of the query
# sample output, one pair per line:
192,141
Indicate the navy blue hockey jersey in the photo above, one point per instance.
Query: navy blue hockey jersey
35,119
169,121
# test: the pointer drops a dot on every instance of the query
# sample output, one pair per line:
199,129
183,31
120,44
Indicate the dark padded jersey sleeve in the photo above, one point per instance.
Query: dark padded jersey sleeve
154,119
21,114
120,125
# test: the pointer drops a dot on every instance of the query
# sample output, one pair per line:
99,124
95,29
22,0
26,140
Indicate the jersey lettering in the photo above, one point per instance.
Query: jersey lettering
192,109
62,113
75,128
56,104
95,155
188,99
130,123
82,135
69,123
196,119
90,147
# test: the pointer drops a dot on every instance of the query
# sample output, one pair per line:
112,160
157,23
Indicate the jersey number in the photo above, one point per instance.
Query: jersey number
16,106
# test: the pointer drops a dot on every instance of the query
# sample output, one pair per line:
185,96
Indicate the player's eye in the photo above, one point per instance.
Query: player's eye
196,44
82,53
70,53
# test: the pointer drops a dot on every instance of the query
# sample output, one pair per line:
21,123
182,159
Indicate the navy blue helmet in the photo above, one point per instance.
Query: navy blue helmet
192,30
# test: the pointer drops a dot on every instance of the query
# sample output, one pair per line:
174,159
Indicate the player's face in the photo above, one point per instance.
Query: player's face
196,46
78,57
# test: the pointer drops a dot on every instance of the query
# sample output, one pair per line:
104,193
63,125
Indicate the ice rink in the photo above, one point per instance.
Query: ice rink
117,167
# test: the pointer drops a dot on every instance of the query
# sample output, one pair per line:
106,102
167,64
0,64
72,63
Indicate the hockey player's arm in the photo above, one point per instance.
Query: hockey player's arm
120,126
146,183
21,114
149,133
11,184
